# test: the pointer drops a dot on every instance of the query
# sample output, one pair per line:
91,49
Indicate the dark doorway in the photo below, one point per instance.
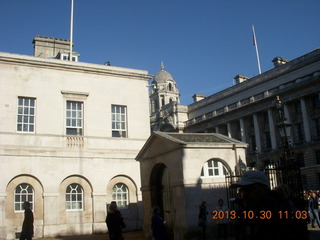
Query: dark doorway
161,195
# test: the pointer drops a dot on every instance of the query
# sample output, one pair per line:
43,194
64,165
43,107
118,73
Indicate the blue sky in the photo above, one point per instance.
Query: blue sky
203,43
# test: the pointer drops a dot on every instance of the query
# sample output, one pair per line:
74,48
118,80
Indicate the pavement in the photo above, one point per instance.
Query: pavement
314,234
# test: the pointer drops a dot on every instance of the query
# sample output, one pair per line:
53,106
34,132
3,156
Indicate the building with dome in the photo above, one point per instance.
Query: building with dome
165,108
246,112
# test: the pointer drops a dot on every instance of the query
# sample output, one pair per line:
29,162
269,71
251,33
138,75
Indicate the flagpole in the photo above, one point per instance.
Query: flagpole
256,45
71,30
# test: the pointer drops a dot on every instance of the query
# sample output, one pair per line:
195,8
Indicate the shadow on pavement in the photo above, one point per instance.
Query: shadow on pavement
135,235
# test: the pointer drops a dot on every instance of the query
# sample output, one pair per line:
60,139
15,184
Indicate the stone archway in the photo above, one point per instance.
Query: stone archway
161,195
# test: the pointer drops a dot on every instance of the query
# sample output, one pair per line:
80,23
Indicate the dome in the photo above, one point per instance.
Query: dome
163,76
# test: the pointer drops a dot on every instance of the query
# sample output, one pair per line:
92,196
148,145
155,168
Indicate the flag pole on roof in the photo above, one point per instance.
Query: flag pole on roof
71,30
256,46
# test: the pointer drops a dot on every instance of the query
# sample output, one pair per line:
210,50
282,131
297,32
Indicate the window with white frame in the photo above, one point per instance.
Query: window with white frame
74,118
26,114
74,197
23,193
120,195
119,121
66,57
214,168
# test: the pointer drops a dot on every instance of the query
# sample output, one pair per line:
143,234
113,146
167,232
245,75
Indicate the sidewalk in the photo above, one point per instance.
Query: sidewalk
314,234
136,235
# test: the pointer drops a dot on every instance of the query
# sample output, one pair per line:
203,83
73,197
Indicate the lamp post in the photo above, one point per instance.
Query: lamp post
284,128
288,165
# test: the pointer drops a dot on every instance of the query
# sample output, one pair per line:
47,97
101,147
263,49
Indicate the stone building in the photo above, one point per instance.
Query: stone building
165,102
180,170
246,112
69,135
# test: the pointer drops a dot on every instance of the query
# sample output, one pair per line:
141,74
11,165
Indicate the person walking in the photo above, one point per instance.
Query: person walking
313,209
27,226
158,225
203,218
114,221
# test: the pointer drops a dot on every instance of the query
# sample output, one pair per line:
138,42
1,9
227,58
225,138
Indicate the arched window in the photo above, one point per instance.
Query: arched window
74,197
120,195
170,87
23,193
214,168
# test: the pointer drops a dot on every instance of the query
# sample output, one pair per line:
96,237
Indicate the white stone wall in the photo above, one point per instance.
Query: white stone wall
49,160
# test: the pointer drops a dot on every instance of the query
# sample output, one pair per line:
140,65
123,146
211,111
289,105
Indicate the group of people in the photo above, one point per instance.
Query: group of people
114,220
261,214
222,221
268,214
115,223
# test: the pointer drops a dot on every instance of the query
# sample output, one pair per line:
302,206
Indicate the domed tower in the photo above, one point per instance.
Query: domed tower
164,93
163,90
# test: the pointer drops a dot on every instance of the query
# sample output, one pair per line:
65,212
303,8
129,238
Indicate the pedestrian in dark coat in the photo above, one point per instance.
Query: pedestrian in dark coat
202,222
114,222
157,225
27,226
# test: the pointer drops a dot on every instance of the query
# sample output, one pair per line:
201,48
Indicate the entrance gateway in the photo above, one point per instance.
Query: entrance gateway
177,174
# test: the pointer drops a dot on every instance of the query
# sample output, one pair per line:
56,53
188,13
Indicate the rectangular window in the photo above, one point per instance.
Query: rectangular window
317,153
119,121
26,114
66,57
74,118
300,159
299,132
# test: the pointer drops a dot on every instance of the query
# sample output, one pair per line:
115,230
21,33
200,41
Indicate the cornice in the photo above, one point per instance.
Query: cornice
267,76
56,64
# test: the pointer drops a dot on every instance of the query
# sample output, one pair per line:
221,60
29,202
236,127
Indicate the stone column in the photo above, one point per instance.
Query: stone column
257,132
305,117
243,130
287,116
229,129
272,129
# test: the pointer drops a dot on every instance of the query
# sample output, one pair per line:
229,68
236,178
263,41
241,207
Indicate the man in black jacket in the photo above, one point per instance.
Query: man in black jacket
313,209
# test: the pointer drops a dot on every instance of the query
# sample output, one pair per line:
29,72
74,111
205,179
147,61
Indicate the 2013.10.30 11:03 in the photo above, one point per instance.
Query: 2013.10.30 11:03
263,214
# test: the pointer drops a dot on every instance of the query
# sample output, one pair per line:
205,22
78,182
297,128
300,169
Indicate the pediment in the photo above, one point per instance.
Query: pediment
162,142
157,144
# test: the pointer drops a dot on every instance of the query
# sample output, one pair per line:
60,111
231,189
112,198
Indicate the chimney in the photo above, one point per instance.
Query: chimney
48,47
240,78
198,97
278,61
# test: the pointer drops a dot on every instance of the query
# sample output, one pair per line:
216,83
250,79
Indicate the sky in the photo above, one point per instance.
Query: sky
204,44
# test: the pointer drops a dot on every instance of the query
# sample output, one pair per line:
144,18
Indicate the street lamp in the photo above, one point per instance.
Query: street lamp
284,128
288,165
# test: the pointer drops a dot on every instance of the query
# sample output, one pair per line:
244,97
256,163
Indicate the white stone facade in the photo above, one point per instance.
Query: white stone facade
48,158
246,112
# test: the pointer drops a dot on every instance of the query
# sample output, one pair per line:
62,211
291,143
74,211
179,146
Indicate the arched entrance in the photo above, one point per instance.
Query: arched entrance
161,195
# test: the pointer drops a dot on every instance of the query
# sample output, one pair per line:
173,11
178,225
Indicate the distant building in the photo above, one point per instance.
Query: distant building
69,135
246,112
